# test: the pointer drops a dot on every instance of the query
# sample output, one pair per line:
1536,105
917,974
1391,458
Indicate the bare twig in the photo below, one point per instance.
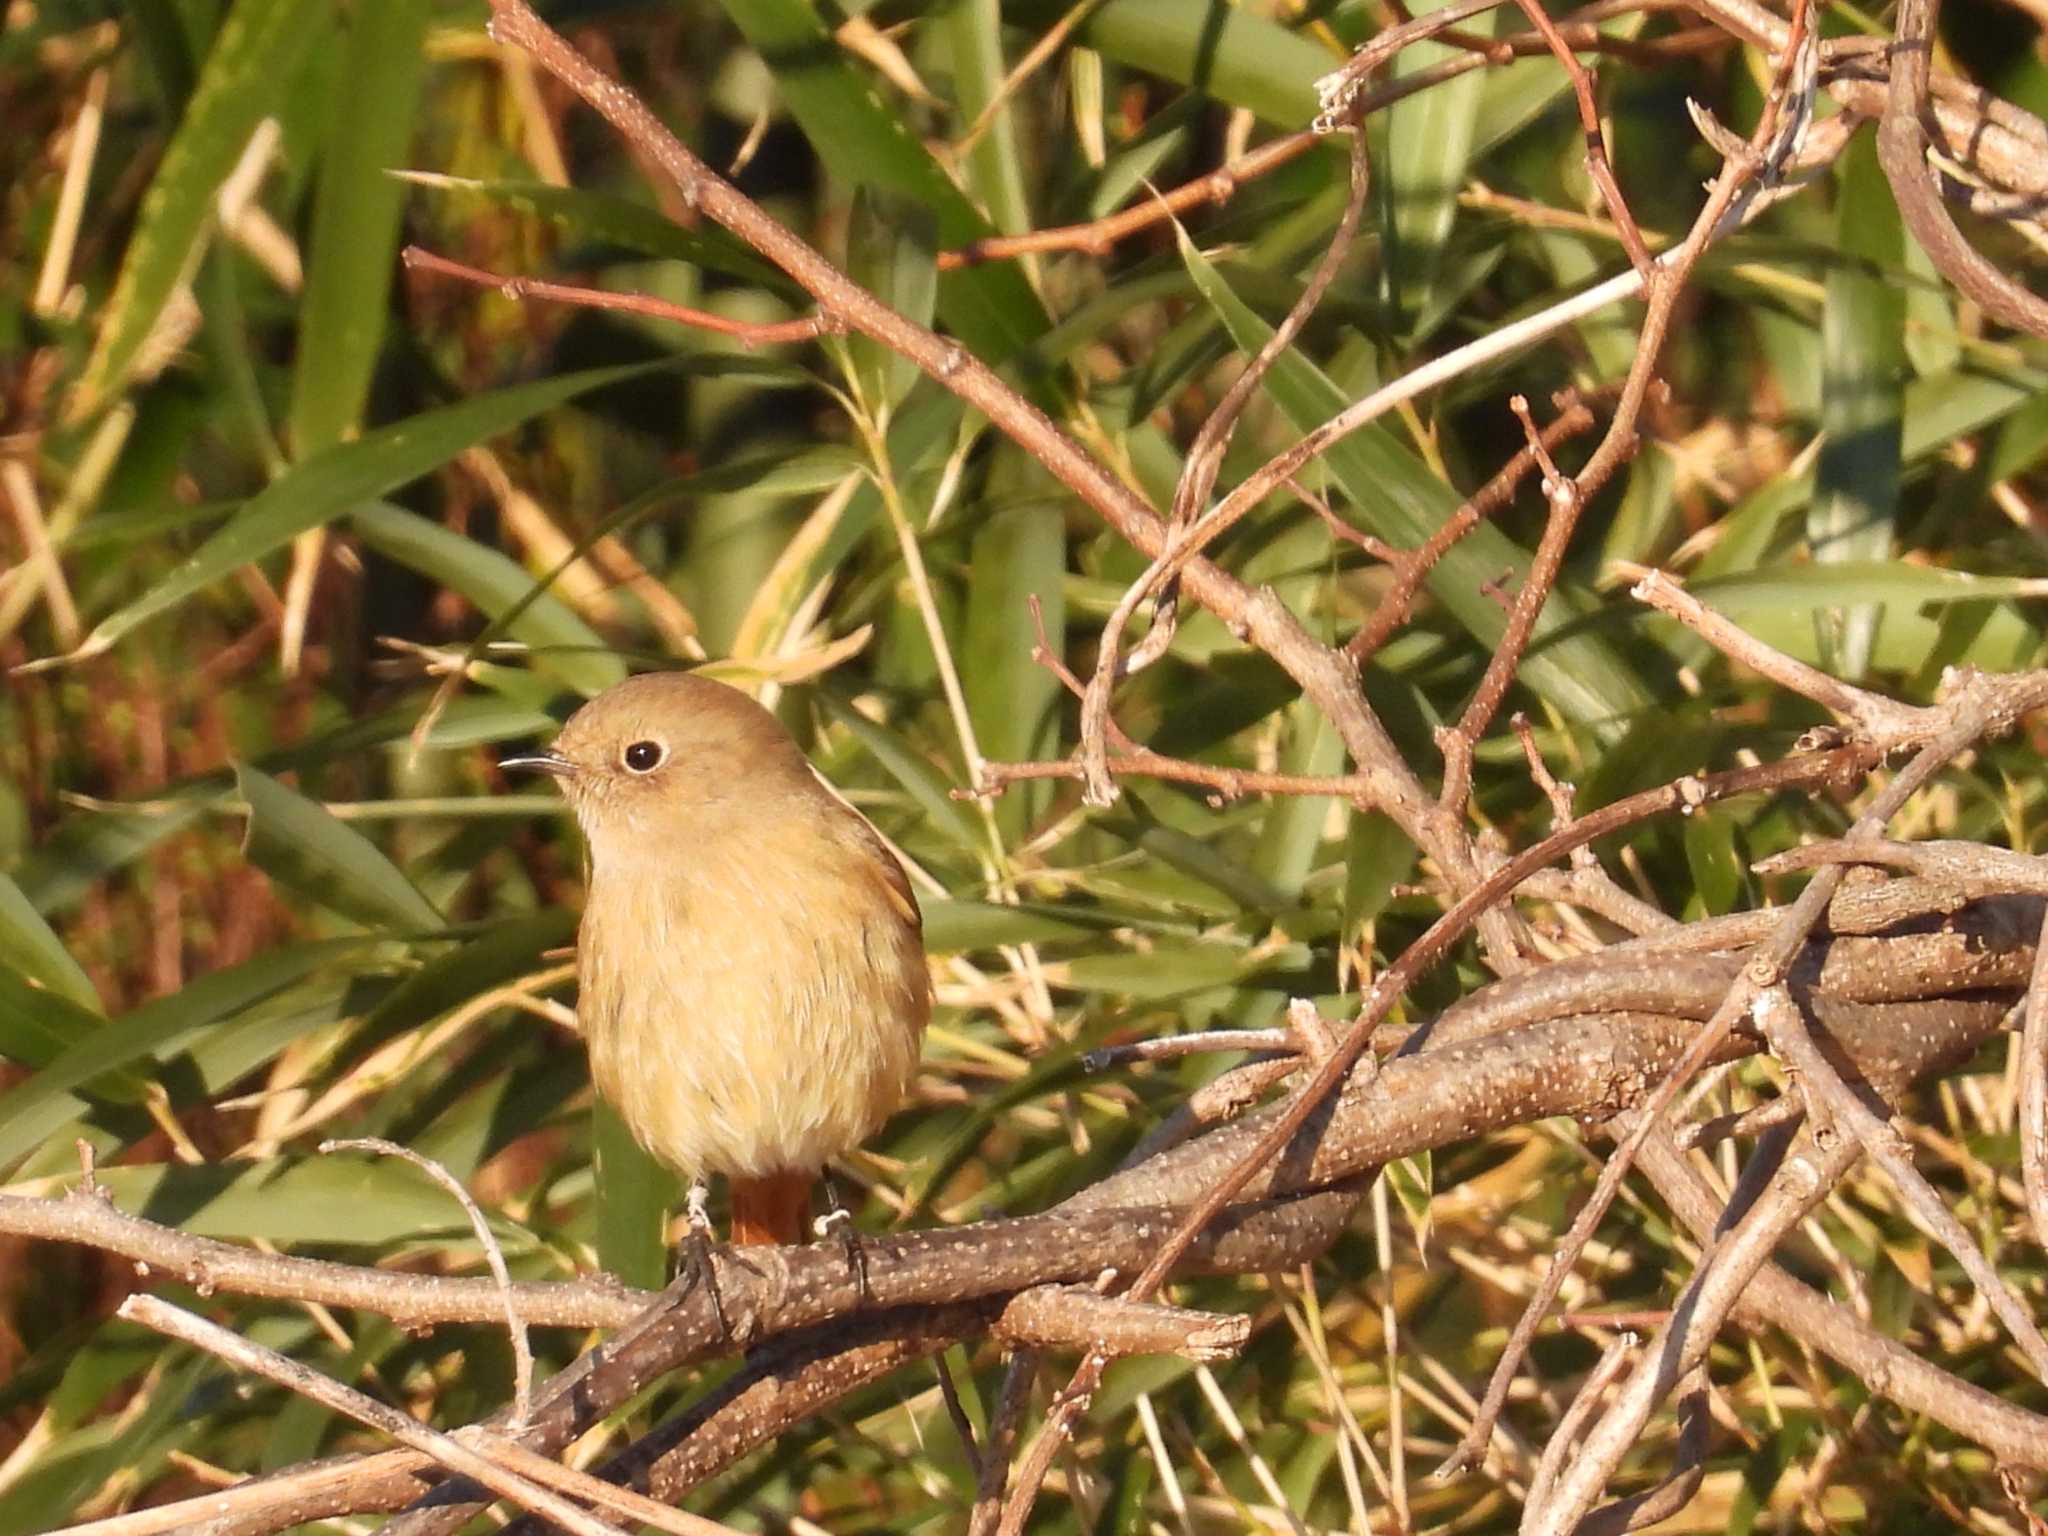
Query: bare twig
1187,531
1829,1098
473,1459
1874,717
1061,1316
747,333
2033,1093
522,1347
1902,150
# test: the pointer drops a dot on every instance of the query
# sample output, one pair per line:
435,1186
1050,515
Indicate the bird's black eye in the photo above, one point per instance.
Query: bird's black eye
644,756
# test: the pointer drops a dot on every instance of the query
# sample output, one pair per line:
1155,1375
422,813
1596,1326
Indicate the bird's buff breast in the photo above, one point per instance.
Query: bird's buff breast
748,1014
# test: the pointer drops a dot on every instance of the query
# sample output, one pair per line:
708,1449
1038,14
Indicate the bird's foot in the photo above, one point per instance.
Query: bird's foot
696,1256
838,1222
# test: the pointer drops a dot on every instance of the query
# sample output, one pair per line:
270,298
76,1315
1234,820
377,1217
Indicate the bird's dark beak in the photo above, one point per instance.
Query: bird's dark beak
541,762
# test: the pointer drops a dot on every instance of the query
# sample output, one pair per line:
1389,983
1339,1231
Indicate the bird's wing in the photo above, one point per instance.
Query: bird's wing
892,863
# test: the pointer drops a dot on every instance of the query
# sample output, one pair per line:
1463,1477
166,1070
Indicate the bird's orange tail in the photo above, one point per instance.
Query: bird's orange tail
770,1210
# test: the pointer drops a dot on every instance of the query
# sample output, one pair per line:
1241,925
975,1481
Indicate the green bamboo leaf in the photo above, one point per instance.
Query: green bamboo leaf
501,954
1292,830
1717,869
1422,153
1378,856
1230,52
1401,501
563,644
864,143
345,1198
38,1025
953,927
1856,483
1247,889
1860,582
164,49
355,221
992,168
1018,555
28,944
912,770
151,1031
601,219
634,1197
892,252
1173,970
333,480
300,845
255,53
1413,1181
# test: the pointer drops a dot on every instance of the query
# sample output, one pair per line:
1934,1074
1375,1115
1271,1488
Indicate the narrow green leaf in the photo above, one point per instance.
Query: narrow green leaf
150,1031
355,221
1292,830
1413,1181
1863,582
299,844
333,480
1378,856
1018,555
563,644
345,1198
1717,869
912,770
892,252
865,143
28,944
1422,155
1172,970
634,1197
37,1026
1230,52
962,927
993,170
164,49
501,954
257,48
1856,483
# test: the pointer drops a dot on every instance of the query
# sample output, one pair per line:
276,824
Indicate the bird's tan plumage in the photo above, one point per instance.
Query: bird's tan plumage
751,968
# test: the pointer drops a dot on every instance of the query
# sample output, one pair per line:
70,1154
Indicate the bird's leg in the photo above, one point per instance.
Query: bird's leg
695,1265
839,1220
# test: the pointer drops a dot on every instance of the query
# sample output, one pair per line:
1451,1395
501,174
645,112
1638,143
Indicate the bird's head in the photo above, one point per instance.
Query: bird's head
665,751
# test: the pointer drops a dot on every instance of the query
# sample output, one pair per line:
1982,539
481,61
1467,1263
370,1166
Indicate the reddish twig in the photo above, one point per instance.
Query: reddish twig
1597,162
1412,567
746,333
1566,498
1188,533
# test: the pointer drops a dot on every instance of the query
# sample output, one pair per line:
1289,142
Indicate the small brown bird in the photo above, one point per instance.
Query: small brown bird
750,965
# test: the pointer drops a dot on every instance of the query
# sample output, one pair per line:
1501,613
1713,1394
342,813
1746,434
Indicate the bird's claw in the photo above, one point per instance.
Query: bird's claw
696,1257
838,1222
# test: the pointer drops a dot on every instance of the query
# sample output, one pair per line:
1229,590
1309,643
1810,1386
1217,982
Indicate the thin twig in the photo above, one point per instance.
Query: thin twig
2033,1092
1829,1098
176,1323
522,1347
747,333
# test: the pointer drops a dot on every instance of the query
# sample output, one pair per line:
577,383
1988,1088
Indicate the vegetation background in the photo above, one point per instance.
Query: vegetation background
331,536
